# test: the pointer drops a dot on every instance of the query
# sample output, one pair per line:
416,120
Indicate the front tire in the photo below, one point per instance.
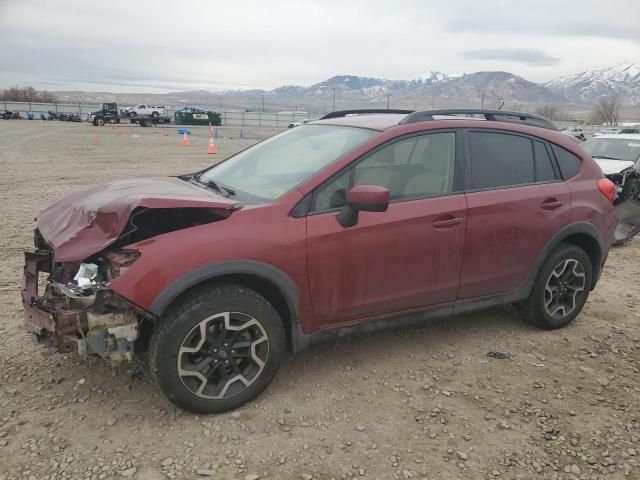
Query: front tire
155,114
561,289
217,348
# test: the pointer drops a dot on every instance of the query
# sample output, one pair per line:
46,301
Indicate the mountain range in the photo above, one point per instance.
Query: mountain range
490,89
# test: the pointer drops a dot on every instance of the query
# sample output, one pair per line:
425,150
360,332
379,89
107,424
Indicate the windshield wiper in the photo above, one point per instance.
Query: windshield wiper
606,158
229,190
218,187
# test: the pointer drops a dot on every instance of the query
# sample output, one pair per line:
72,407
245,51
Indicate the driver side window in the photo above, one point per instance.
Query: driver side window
419,166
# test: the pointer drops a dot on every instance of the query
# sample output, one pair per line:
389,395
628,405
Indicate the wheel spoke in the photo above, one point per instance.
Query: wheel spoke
223,355
564,284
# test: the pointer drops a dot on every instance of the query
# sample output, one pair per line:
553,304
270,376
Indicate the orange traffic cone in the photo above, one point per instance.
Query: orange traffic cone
96,141
185,140
212,147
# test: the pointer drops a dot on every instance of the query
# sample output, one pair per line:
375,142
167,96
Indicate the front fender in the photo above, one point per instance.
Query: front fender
281,280
262,242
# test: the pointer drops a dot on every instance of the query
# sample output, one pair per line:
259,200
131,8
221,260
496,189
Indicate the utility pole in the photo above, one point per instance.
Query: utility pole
263,103
388,95
482,103
334,99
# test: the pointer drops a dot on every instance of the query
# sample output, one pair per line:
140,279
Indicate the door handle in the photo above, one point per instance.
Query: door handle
551,204
447,222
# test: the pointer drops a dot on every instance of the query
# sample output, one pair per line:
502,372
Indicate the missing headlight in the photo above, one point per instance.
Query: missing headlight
120,260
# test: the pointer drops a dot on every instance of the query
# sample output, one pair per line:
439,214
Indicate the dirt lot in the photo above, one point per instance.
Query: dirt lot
413,403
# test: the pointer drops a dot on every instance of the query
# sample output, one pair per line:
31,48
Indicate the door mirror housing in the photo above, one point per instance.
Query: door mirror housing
365,198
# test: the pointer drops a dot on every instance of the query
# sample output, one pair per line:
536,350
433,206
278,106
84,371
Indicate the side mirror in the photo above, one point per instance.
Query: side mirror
365,198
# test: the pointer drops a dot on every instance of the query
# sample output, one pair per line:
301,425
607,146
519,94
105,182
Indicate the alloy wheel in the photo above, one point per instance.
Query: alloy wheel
563,288
223,355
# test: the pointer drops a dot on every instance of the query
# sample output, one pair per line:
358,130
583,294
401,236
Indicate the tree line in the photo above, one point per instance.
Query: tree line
26,94
605,112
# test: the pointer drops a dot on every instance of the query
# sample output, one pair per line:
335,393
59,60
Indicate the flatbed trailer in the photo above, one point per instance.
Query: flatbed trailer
150,120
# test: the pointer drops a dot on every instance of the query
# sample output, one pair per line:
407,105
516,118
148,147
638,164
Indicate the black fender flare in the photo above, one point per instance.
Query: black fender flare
281,280
564,233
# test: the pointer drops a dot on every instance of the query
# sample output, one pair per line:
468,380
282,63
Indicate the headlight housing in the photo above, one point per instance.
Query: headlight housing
120,260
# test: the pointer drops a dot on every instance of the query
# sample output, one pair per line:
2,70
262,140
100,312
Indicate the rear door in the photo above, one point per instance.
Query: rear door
516,203
407,257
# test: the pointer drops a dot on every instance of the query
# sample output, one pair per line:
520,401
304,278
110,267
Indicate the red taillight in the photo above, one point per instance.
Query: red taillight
608,188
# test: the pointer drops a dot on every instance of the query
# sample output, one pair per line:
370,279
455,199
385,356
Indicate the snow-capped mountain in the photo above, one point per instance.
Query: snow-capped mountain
592,85
430,77
495,87
450,90
430,89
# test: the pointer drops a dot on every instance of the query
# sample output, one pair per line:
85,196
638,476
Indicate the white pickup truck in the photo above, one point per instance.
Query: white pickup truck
144,109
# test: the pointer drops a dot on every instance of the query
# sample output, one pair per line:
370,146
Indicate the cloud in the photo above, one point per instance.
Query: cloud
516,55
587,19
158,44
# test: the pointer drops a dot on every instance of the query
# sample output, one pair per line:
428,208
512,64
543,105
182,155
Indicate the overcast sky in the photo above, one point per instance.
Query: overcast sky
160,46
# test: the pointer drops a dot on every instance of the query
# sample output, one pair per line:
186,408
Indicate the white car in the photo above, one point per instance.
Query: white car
633,129
575,132
144,109
606,131
297,124
618,156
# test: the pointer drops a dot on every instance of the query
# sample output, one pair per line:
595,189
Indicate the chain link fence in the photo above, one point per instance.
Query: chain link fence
229,116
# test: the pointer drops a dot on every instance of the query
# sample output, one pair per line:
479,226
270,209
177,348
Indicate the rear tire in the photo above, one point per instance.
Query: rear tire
155,114
99,122
561,289
217,348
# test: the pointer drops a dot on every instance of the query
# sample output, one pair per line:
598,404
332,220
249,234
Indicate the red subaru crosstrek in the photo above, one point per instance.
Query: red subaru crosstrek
354,219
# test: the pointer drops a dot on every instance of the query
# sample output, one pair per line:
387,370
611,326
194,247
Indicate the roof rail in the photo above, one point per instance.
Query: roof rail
493,115
344,113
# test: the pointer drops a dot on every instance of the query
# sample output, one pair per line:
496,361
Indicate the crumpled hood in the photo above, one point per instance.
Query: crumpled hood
610,167
86,222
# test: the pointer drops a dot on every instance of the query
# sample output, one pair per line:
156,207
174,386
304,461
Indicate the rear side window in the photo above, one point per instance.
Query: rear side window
544,166
500,160
569,164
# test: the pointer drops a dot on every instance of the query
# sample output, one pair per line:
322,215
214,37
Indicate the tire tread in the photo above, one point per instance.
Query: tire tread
189,300
531,310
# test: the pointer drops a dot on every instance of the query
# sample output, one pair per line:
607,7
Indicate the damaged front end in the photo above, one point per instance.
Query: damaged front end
77,310
85,241
627,204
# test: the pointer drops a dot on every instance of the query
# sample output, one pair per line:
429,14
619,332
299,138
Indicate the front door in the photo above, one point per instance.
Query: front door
407,257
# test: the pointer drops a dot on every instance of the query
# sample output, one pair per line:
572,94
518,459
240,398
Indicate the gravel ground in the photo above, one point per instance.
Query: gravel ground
411,403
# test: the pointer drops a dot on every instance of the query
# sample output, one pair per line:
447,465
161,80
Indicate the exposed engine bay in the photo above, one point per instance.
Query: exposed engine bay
76,309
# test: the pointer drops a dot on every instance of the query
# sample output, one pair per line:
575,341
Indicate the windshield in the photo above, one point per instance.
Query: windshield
613,148
276,165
